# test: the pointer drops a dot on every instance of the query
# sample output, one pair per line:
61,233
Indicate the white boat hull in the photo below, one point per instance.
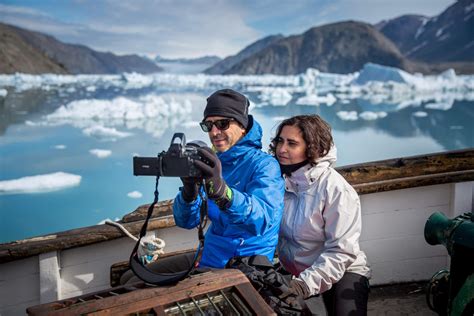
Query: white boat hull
392,237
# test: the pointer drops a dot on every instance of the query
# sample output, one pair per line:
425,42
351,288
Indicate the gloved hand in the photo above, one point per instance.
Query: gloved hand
291,291
297,288
211,168
190,189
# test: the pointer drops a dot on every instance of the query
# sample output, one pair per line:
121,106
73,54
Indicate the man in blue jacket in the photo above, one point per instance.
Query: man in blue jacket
244,185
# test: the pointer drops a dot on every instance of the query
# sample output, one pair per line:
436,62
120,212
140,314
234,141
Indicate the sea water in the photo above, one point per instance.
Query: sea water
67,142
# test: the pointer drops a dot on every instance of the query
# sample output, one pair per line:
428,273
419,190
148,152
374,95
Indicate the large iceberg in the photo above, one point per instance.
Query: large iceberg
40,183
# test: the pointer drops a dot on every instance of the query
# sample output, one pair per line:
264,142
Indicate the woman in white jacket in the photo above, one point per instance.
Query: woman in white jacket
321,225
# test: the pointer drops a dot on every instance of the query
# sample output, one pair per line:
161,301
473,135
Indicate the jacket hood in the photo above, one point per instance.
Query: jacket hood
253,138
330,157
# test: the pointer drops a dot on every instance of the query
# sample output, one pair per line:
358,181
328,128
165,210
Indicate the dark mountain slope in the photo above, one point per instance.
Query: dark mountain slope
227,63
16,55
339,48
448,37
79,59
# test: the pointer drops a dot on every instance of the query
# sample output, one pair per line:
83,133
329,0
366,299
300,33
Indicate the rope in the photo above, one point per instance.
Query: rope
150,248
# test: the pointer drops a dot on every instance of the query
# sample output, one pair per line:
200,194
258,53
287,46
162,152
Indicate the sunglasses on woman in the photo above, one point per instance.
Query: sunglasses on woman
221,125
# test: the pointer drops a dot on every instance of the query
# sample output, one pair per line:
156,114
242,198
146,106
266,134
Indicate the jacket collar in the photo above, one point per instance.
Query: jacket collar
305,176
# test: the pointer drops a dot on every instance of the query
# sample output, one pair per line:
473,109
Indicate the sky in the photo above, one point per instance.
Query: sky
194,28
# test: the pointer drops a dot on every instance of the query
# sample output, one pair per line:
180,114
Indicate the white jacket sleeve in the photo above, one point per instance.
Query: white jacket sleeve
342,217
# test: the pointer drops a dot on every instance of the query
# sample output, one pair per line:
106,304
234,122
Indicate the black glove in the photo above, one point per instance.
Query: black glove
297,289
211,168
190,189
290,291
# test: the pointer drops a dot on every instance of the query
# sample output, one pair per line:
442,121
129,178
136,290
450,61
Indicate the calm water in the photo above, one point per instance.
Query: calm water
36,140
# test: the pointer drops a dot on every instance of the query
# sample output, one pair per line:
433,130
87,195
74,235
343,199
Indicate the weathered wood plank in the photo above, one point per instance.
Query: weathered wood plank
75,238
148,298
458,160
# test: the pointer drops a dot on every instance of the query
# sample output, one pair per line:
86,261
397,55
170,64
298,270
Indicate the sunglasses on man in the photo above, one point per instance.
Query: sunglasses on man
221,125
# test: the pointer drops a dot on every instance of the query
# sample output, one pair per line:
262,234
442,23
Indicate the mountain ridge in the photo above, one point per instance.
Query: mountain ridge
63,58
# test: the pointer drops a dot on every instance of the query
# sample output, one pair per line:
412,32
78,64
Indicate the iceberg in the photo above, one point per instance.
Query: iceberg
99,118
314,99
370,116
105,133
100,153
40,183
134,194
374,72
347,115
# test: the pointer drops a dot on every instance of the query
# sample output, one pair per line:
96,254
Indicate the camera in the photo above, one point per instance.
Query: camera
178,161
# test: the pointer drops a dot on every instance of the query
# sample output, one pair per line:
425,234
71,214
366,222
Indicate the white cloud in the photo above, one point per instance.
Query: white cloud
40,183
134,195
100,153
196,28
168,28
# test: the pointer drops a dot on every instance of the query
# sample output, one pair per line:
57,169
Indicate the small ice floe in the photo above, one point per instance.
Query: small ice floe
60,147
189,124
100,153
279,118
3,93
40,183
91,89
370,116
134,194
420,114
105,133
441,105
314,99
347,115
275,96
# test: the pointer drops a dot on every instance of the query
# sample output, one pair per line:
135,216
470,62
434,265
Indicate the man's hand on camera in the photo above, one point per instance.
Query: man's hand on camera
216,187
190,189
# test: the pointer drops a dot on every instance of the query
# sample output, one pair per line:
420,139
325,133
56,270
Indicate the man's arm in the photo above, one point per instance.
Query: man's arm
260,205
186,215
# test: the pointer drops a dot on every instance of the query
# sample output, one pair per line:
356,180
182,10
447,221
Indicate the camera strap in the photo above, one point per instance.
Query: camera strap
155,278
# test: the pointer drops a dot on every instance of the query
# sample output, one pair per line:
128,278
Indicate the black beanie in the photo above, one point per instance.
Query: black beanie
228,103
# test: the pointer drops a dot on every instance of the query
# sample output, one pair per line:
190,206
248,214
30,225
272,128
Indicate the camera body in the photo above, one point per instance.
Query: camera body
178,161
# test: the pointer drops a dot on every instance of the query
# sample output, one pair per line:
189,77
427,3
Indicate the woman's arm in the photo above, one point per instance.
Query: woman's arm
342,217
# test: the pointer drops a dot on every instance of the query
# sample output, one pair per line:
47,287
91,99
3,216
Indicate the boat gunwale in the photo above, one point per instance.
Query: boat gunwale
371,177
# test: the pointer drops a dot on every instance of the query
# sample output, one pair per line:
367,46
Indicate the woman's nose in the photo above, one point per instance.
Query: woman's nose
281,148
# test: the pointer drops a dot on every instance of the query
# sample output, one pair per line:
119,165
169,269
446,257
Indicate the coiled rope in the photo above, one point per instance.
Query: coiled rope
151,247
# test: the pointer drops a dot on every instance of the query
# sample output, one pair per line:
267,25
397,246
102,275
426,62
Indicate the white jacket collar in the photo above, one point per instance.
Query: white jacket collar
302,178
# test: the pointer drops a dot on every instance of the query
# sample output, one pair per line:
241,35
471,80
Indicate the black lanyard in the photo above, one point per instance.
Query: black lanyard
148,275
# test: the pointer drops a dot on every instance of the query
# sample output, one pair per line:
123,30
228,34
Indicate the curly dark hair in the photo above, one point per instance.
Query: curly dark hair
316,133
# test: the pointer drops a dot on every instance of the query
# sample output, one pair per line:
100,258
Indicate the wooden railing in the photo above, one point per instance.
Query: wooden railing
366,178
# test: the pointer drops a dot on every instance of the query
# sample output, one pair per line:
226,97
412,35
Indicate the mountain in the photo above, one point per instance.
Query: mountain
448,37
402,31
16,55
227,63
70,58
338,48
210,60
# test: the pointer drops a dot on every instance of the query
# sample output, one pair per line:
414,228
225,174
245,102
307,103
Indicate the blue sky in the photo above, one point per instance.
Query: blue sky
178,28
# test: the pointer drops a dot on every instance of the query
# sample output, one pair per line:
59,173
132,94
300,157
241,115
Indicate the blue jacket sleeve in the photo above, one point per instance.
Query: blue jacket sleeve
186,215
260,206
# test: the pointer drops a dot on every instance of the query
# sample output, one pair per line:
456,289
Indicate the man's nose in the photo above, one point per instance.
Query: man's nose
215,130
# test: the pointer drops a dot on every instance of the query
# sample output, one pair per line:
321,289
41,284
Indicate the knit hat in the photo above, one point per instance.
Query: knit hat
228,103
